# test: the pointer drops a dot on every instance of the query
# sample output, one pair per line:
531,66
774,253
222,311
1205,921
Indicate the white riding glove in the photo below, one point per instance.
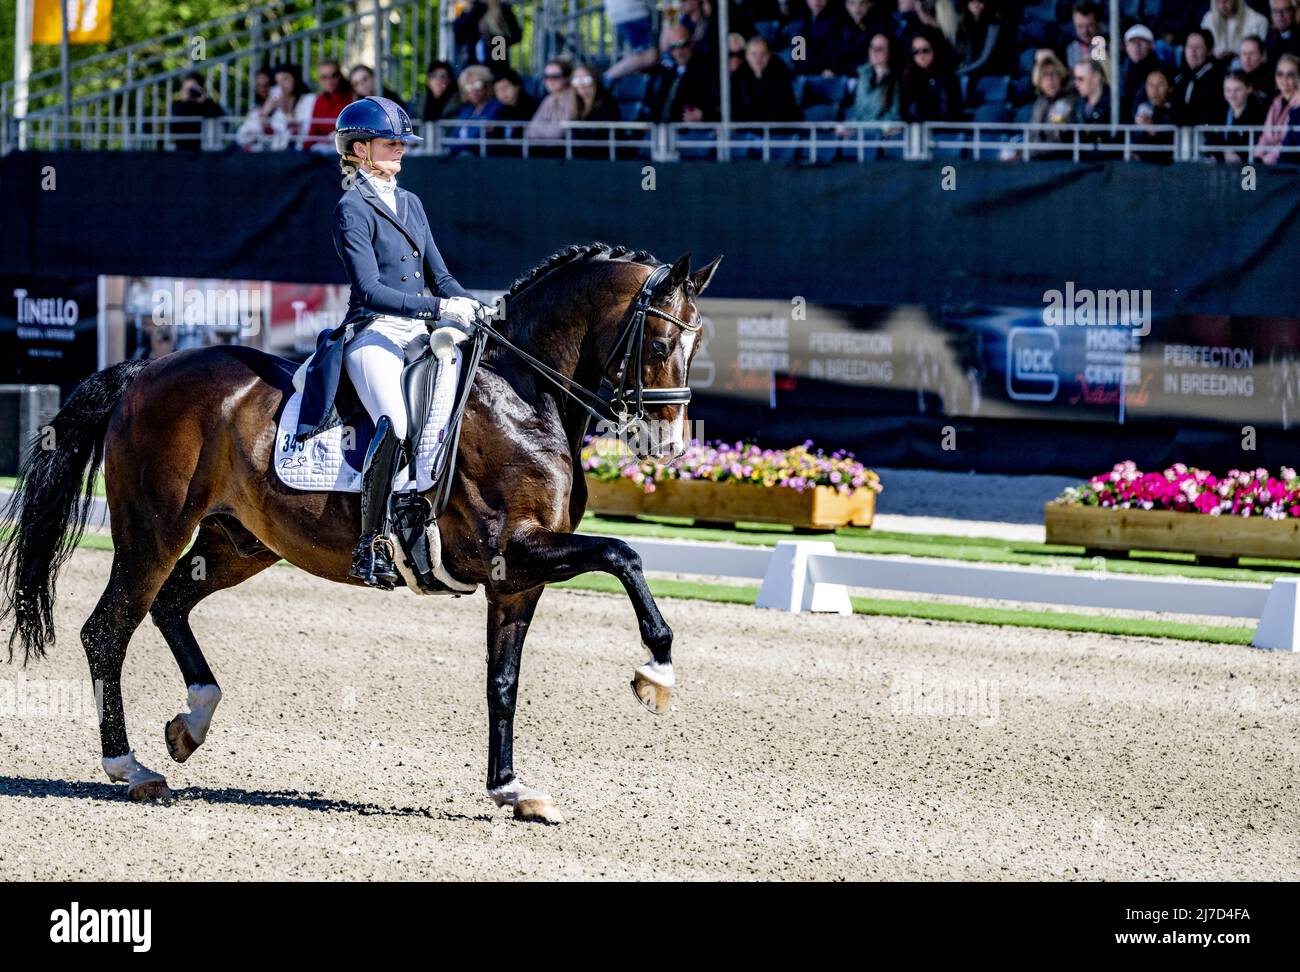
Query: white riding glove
459,312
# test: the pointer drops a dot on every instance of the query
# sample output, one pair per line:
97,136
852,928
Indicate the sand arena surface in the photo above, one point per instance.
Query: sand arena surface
351,743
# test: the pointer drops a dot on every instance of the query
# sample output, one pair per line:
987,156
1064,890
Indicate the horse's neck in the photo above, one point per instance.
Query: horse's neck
562,341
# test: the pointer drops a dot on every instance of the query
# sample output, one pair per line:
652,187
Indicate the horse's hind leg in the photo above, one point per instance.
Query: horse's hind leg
132,584
212,564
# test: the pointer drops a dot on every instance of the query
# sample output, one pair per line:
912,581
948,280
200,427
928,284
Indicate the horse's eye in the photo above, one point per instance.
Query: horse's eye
659,348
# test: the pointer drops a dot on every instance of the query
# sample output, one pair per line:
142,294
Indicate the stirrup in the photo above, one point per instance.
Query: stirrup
372,562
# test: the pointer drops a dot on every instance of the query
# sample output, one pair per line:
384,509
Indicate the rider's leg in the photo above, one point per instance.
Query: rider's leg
374,363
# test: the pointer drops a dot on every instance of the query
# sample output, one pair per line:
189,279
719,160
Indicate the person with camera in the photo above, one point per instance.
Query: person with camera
188,112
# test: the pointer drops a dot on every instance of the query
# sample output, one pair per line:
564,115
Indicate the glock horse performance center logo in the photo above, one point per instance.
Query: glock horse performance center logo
1031,364
74,925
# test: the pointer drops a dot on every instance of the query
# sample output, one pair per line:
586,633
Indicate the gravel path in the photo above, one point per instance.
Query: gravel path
351,744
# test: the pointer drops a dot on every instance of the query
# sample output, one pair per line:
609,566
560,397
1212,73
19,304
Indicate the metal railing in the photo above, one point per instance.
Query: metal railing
395,37
578,139
799,142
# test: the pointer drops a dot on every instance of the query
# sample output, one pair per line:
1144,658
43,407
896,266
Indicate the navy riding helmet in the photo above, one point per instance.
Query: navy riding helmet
372,117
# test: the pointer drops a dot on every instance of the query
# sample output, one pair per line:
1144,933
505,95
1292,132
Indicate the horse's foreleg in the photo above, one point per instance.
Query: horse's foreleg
543,557
509,616
212,564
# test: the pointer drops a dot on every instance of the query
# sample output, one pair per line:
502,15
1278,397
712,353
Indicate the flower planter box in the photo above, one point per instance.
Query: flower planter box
1214,537
820,507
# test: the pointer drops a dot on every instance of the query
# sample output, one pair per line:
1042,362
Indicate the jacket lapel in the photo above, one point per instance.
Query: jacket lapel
369,194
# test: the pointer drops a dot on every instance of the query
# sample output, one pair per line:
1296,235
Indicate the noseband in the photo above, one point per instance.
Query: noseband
619,393
624,397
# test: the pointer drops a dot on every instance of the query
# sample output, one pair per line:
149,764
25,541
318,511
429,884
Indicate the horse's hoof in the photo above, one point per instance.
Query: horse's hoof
149,789
654,695
180,744
541,810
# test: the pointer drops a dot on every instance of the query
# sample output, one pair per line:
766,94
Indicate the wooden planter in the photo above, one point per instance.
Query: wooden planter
1209,537
819,508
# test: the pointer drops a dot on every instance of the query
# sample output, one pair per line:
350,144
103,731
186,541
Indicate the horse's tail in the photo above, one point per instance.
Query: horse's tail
46,518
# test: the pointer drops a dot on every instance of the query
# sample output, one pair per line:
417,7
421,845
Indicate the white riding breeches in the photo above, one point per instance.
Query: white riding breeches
374,360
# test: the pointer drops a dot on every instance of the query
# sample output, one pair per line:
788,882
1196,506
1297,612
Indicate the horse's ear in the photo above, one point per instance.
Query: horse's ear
681,269
700,278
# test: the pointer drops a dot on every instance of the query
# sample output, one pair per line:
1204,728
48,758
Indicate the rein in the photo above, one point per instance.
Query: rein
615,396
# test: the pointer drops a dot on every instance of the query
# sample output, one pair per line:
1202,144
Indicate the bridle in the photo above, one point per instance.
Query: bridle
624,397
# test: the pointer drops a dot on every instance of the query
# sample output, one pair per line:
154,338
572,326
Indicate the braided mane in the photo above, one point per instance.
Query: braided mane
580,251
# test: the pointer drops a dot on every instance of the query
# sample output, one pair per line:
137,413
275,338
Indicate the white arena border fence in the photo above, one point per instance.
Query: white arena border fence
810,575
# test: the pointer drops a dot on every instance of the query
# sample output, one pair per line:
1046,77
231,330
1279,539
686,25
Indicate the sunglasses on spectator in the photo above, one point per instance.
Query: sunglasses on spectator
922,50
554,75
583,82
329,75
678,45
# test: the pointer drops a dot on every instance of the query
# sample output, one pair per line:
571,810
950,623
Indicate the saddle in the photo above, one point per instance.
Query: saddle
436,381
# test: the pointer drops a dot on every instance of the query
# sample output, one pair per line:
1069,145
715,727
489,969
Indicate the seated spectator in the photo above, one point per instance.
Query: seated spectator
930,89
263,82
1055,102
979,40
1251,63
862,21
877,96
477,104
1086,18
1198,86
687,91
193,103
1244,111
1279,113
440,98
1230,21
735,54
1156,110
334,95
814,38
558,106
592,102
1092,107
284,117
1282,37
697,16
362,81
763,89
517,107
1140,60
1053,105
485,31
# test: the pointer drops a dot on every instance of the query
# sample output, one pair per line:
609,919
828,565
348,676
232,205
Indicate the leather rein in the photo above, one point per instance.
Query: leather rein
626,389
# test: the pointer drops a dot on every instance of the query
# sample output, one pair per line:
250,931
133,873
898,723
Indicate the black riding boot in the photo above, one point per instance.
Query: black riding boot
372,561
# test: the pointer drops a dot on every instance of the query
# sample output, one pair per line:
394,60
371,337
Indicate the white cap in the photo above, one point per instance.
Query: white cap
1138,31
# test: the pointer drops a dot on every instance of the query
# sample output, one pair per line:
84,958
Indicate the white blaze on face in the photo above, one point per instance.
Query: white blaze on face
678,438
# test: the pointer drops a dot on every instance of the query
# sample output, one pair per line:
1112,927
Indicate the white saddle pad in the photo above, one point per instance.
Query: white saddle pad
318,464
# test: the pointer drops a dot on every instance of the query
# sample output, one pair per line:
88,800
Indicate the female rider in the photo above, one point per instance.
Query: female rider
400,288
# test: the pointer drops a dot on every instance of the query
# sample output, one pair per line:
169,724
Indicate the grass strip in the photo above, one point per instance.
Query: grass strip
938,611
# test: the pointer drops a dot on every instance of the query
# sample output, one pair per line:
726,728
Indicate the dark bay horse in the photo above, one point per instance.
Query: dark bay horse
187,443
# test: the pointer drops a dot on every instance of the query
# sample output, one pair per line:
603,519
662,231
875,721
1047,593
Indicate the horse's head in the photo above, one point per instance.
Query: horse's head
669,339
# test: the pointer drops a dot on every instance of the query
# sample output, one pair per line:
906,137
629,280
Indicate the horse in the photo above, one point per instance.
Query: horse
186,442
